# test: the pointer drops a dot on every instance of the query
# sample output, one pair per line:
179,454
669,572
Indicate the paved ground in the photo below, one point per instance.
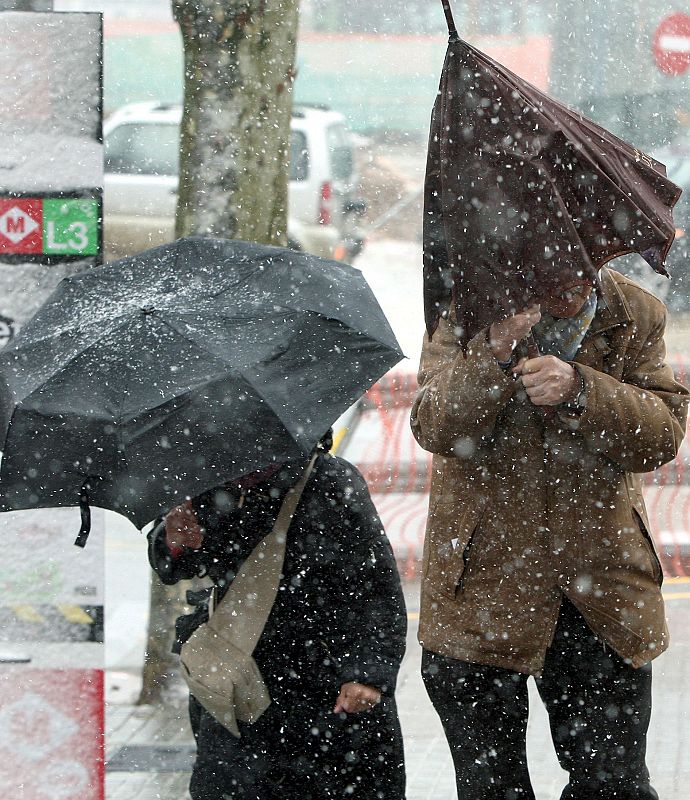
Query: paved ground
150,749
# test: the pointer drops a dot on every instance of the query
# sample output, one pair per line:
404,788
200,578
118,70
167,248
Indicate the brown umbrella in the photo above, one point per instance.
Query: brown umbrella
525,197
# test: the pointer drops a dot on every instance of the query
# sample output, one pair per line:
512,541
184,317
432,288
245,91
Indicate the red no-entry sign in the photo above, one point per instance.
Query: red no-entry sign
671,44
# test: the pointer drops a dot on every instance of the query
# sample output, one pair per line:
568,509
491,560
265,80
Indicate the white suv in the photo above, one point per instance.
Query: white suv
141,169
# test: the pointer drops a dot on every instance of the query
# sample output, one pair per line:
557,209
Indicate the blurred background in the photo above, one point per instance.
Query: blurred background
625,63
367,76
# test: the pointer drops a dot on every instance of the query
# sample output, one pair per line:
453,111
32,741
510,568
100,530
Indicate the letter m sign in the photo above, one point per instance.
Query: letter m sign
21,225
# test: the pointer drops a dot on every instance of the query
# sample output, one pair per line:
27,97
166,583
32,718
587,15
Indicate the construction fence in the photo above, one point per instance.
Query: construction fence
398,472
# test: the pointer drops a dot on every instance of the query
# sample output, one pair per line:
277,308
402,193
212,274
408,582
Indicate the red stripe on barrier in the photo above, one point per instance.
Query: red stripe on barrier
394,465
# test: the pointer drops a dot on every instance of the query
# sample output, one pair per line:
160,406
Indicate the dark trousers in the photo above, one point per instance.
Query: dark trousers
304,753
598,705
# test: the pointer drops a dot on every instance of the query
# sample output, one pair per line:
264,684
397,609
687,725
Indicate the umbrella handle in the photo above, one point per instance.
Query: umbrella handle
527,348
532,347
452,30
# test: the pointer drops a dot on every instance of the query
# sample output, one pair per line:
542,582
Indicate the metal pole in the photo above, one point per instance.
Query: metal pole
452,31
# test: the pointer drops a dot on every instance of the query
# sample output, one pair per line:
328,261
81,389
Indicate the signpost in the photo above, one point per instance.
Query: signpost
671,44
51,178
49,228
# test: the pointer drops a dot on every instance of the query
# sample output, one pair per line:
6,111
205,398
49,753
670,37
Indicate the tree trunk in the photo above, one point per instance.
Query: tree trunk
239,70
166,603
234,167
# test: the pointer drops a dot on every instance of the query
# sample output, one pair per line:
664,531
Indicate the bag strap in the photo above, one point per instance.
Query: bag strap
452,31
241,615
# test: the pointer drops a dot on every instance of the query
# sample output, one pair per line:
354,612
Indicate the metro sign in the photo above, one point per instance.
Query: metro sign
21,226
50,226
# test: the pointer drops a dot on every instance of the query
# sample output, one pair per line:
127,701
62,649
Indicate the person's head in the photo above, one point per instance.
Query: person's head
569,302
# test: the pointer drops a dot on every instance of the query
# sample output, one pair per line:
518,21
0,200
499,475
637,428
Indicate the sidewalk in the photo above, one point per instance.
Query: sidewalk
150,749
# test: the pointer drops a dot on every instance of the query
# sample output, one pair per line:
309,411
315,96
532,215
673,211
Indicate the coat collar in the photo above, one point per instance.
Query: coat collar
613,308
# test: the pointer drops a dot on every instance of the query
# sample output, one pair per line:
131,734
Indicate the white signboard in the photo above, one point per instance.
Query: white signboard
41,565
50,160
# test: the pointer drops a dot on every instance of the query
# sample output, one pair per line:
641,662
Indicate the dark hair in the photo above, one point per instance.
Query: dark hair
325,443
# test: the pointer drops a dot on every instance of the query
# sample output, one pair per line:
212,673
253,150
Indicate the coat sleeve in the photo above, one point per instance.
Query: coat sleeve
461,394
368,621
638,422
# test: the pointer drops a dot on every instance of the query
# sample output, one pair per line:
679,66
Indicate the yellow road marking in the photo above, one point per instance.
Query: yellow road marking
75,614
676,580
71,613
27,613
338,437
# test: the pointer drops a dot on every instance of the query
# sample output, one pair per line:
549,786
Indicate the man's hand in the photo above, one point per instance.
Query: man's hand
504,335
356,697
182,529
548,381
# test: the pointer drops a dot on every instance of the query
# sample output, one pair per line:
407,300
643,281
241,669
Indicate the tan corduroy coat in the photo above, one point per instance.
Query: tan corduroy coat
525,508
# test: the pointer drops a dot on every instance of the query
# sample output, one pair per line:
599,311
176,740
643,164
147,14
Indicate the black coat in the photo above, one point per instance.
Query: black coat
339,616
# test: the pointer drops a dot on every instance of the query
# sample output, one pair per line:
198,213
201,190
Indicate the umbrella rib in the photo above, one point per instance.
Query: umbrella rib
295,308
61,366
71,328
268,402
170,326
201,347
566,216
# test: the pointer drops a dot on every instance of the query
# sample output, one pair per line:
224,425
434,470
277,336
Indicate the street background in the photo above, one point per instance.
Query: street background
621,61
149,748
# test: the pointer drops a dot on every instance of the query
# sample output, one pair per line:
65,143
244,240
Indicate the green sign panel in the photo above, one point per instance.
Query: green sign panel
70,227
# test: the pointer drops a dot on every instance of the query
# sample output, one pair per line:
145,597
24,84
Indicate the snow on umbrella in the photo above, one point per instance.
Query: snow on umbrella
524,197
161,375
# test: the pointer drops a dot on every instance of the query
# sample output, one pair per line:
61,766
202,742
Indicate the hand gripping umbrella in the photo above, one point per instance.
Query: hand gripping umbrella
159,376
525,197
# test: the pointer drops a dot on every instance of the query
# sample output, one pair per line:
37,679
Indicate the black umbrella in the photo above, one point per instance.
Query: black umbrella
159,376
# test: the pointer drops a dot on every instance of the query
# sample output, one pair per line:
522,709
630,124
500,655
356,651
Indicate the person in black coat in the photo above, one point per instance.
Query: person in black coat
331,648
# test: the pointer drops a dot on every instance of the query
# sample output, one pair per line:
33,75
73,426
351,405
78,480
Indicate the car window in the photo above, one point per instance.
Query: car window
299,156
340,152
143,149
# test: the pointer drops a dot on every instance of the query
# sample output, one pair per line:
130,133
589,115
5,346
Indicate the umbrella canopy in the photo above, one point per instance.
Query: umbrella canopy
159,376
525,197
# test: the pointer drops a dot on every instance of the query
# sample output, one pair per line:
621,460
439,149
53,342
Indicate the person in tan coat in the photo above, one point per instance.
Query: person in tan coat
538,558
